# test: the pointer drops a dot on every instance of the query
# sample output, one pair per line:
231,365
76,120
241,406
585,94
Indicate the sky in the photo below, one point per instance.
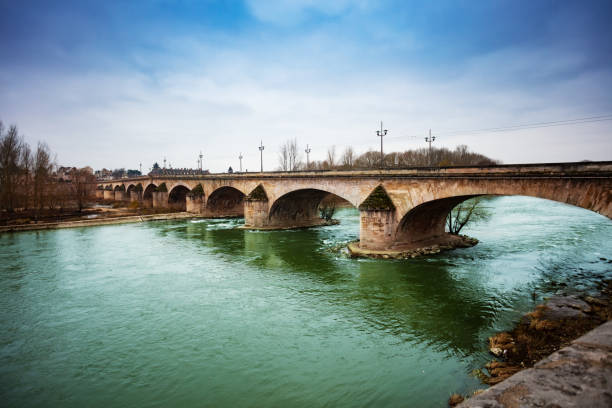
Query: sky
118,83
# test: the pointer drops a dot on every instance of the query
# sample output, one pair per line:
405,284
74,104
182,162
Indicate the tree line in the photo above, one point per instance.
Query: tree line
27,179
291,158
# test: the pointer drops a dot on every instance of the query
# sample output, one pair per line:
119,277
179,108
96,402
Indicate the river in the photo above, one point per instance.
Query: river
200,313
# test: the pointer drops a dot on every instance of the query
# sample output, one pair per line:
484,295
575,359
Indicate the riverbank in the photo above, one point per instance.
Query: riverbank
542,339
575,376
96,221
457,241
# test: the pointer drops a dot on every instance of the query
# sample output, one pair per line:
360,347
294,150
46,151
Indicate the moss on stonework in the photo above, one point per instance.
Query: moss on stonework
138,187
121,188
377,200
258,194
162,188
109,188
197,191
100,187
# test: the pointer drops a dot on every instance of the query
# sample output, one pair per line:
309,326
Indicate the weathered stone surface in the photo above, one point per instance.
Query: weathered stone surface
195,204
135,195
579,375
160,199
565,307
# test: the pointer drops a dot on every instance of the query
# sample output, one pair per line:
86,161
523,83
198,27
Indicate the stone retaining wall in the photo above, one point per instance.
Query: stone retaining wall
579,375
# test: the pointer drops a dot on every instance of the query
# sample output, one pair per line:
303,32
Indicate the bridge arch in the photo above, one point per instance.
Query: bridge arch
425,224
148,191
147,195
577,192
119,187
226,201
177,197
299,208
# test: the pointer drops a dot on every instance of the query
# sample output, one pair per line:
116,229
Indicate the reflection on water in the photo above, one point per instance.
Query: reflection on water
199,312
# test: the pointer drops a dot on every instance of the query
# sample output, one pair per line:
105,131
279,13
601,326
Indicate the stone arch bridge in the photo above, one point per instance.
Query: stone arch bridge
398,207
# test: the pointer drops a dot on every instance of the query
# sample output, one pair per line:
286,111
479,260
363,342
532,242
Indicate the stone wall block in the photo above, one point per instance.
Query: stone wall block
160,199
376,228
256,213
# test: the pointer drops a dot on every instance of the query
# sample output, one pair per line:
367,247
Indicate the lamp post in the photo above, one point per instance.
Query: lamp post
261,148
308,150
429,140
381,133
240,158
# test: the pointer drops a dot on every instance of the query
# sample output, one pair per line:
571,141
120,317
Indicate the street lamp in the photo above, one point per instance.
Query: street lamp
429,140
261,148
381,133
308,150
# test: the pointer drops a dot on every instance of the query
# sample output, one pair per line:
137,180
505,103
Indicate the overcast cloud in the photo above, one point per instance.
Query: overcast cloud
116,84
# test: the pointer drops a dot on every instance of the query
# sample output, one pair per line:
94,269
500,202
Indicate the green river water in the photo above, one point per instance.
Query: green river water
199,313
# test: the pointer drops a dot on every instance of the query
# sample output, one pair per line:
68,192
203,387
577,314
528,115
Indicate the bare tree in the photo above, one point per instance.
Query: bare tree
283,158
82,186
327,211
10,153
289,157
368,160
469,211
27,167
293,154
331,157
348,158
43,168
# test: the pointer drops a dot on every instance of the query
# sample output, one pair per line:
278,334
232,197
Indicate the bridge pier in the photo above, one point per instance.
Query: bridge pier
135,196
119,195
377,229
99,193
255,213
109,195
195,204
160,199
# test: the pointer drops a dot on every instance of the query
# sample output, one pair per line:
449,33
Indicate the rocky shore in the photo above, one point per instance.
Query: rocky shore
460,241
550,327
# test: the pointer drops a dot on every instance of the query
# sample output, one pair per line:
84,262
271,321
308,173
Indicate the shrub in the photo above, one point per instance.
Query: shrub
258,194
377,200
197,191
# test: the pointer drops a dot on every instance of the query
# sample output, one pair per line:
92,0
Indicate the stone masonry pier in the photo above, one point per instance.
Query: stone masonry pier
399,208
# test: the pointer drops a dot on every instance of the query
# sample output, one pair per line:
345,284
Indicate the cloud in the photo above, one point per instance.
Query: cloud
289,12
327,84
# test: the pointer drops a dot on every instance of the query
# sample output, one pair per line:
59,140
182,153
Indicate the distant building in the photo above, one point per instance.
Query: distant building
104,174
177,172
64,173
